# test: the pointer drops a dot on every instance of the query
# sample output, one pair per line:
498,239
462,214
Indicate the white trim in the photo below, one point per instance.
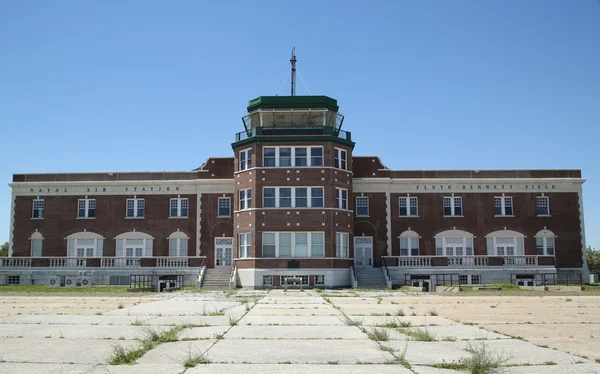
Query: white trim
453,205
87,208
219,215
337,155
585,272
309,244
33,208
339,201
198,223
505,234
356,206
85,235
134,235
407,201
247,200
293,157
389,222
179,207
547,198
309,197
12,223
245,151
503,205
344,243
136,202
465,185
223,247
178,235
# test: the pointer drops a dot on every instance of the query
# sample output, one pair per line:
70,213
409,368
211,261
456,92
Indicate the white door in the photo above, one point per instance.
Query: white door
363,251
223,252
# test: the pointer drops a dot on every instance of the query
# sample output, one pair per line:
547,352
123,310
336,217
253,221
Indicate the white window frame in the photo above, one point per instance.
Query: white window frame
408,204
40,209
537,205
469,279
503,202
147,244
362,205
267,280
466,239
309,197
309,243
136,207
517,243
245,161
453,206
245,201
35,238
179,201
340,201
77,243
177,237
244,245
319,280
342,244
309,157
547,237
412,239
304,278
87,208
219,206
338,161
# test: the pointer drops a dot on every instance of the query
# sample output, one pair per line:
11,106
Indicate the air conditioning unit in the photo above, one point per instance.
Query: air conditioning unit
70,281
85,282
54,282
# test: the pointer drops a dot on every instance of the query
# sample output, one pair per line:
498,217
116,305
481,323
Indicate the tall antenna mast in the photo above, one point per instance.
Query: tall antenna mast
293,61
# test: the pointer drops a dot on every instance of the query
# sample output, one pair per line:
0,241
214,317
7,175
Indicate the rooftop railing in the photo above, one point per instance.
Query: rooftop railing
285,130
469,261
102,262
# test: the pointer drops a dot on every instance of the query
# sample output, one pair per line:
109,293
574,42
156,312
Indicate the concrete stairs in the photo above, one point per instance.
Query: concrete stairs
216,279
371,278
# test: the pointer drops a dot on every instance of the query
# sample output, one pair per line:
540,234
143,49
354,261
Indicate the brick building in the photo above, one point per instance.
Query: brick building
294,201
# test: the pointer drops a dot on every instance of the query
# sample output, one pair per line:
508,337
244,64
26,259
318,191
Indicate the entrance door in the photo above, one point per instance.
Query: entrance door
363,251
223,252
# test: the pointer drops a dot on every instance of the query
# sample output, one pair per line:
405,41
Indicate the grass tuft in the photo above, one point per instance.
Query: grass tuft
482,361
378,335
420,335
351,322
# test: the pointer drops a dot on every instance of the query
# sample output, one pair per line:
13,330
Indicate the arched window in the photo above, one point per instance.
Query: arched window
409,243
454,243
134,244
85,244
36,244
505,243
178,244
544,243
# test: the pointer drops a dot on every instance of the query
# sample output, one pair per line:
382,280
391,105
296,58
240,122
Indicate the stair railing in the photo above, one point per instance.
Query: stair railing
353,277
386,273
233,277
201,276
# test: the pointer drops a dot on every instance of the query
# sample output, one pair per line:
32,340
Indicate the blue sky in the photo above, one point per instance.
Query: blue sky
148,85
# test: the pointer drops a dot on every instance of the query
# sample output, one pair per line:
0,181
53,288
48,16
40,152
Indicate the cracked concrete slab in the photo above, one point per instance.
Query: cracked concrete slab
175,353
295,332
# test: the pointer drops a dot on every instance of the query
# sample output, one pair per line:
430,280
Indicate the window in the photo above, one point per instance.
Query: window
409,243
244,245
86,208
178,244
503,206
544,243
341,244
505,243
292,157
135,208
36,244
179,207
245,159
267,280
469,279
453,206
409,206
13,280
543,206
224,207
341,198
454,243
340,160
85,244
293,244
362,206
245,199
319,280
38,208
303,277
134,244
293,197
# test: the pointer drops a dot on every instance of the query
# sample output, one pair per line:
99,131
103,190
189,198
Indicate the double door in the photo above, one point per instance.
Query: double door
223,252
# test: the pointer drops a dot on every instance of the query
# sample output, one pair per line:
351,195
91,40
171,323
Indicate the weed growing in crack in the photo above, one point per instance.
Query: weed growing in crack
420,335
351,322
377,334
